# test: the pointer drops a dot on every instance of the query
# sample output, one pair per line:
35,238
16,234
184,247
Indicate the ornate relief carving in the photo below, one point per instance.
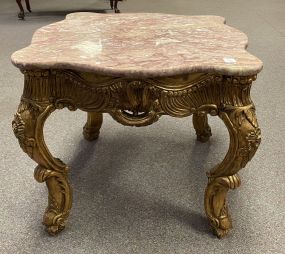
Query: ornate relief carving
177,96
138,102
244,138
244,141
28,128
200,121
215,202
24,118
27,144
59,199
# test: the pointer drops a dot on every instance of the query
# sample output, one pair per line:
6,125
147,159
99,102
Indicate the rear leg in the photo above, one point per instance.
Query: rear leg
116,7
200,122
92,127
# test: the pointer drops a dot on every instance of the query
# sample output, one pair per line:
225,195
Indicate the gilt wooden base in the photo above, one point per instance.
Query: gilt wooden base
138,102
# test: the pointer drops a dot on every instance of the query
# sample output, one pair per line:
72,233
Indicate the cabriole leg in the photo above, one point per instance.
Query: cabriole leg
28,128
244,140
92,127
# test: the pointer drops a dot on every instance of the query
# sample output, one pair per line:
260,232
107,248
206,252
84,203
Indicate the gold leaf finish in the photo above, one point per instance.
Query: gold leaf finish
138,102
28,127
92,127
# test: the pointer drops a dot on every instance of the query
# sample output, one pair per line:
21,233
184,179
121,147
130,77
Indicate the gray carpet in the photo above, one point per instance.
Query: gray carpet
140,190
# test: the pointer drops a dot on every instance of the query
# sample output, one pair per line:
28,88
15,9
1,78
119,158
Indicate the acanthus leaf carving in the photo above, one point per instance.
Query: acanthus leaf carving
174,96
138,102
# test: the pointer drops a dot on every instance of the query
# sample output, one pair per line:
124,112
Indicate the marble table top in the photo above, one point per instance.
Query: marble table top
139,45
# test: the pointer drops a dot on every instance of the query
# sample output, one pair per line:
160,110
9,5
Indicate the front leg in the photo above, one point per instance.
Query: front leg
244,140
21,14
28,128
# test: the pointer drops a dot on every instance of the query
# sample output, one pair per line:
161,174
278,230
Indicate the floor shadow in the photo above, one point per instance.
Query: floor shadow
120,202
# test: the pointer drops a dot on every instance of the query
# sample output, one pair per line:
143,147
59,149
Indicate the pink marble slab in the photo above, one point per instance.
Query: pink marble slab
139,45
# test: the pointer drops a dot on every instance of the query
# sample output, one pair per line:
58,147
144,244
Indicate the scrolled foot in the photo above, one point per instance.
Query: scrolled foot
59,199
53,223
205,136
220,233
221,225
117,10
215,203
90,134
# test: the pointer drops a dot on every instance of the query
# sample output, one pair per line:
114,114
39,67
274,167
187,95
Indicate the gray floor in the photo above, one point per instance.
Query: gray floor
140,190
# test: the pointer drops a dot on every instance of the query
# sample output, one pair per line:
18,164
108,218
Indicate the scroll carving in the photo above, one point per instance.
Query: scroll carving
215,203
28,128
138,102
200,121
245,137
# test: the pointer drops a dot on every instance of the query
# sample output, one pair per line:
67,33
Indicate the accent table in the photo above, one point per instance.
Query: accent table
138,67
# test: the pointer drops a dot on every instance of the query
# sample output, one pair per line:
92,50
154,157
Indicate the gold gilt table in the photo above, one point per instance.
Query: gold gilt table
138,67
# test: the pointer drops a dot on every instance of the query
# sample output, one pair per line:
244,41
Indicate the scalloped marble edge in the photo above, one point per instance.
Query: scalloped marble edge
225,70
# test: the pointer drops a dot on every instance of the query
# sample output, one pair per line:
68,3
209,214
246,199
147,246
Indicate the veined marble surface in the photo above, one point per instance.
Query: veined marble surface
139,45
